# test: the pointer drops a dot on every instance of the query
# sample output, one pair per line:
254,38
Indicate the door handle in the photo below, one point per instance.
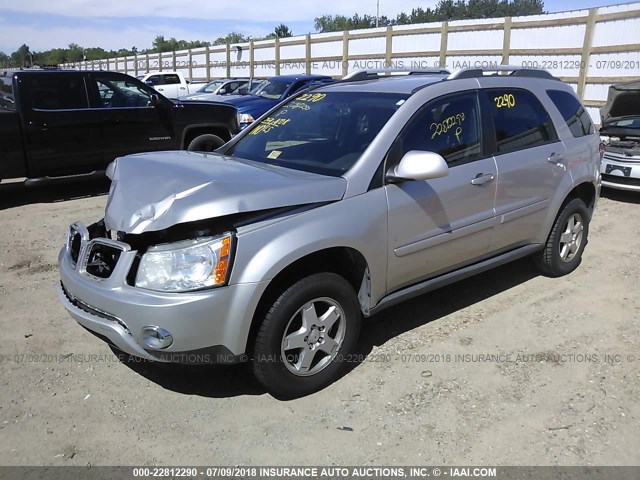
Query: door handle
182,88
482,178
38,126
161,89
554,158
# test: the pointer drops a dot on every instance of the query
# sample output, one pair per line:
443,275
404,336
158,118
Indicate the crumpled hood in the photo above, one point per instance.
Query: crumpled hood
154,191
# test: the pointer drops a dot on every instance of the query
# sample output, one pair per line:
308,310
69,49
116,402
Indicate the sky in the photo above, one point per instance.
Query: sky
115,24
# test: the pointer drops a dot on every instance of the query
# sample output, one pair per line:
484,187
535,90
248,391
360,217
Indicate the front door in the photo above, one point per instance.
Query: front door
130,123
63,132
437,225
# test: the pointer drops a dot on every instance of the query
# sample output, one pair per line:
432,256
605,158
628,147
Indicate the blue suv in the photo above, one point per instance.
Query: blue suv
269,94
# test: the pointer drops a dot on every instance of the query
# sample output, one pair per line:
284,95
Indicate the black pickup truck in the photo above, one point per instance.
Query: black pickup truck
58,123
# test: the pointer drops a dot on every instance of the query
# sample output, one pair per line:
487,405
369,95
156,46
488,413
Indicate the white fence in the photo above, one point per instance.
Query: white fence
589,49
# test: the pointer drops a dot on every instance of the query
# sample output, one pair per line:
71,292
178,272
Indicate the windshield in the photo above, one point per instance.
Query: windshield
271,89
323,133
211,87
629,122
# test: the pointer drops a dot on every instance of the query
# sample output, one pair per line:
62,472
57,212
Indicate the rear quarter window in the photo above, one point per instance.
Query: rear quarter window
171,79
574,114
57,92
519,119
7,101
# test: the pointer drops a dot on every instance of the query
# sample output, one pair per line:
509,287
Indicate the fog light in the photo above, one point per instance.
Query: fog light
156,337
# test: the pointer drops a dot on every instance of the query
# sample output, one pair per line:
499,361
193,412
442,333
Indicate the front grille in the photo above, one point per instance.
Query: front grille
634,182
102,260
75,242
622,158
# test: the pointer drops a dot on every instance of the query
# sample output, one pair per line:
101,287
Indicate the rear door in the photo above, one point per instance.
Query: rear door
168,84
129,123
63,133
437,225
530,160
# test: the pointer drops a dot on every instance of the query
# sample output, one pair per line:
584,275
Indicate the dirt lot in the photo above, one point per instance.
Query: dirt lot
563,390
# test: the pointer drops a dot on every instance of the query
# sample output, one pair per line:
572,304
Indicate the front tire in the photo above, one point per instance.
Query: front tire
205,143
568,238
304,341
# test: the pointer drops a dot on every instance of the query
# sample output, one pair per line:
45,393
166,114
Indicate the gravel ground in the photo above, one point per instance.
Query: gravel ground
507,368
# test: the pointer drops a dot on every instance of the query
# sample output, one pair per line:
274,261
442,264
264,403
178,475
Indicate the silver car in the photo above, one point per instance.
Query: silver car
620,134
341,201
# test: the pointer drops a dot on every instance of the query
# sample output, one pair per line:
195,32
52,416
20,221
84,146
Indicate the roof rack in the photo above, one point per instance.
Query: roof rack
361,75
516,71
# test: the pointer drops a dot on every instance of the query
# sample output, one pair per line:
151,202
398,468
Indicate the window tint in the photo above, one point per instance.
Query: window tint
519,118
577,118
7,102
448,126
119,93
171,79
156,80
57,92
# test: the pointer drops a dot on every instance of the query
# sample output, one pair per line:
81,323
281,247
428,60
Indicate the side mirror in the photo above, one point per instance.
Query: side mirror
155,100
417,165
222,91
149,82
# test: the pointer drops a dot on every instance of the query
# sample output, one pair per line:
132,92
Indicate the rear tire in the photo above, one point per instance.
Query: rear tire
205,143
568,238
304,342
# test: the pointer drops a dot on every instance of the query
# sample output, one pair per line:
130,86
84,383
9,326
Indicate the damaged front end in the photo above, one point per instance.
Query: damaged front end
620,134
153,278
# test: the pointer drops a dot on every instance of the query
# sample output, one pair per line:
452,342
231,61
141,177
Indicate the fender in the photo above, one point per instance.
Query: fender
280,244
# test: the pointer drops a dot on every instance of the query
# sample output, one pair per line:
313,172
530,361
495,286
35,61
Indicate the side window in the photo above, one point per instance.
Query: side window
57,92
120,93
448,126
7,102
156,80
577,118
171,79
519,118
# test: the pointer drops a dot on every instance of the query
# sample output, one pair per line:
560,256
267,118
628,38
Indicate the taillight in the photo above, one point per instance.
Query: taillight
601,149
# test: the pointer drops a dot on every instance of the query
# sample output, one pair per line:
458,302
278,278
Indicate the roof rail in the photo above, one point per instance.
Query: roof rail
373,74
516,71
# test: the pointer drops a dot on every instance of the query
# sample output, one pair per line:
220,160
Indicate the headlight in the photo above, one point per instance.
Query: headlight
245,118
184,266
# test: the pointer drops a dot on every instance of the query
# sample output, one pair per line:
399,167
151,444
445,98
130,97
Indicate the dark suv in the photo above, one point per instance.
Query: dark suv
57,123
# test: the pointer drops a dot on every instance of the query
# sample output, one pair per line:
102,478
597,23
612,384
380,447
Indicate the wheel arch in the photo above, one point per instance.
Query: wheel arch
585,191
345,261
193,131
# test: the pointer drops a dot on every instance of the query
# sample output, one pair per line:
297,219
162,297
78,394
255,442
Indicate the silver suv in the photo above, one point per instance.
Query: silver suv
337,203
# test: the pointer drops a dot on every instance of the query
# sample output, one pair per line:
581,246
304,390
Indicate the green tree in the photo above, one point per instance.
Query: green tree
282,31
22,57
232,37
444,10
75,53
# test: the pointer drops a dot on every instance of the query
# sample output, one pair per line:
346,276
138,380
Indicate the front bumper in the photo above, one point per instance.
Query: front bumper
619,172
209,326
